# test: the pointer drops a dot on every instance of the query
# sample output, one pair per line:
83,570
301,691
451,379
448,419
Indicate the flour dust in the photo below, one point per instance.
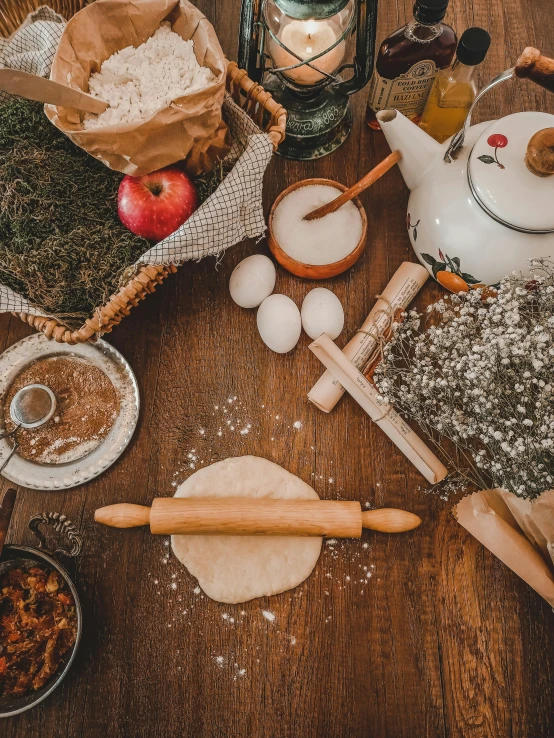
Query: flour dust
267,624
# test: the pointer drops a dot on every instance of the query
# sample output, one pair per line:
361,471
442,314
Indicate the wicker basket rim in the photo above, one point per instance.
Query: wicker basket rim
248,94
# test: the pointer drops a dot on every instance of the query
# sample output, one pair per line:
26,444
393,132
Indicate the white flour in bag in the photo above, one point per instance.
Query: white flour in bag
137,82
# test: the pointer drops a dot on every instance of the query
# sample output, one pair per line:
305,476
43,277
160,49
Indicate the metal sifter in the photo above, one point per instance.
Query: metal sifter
31,407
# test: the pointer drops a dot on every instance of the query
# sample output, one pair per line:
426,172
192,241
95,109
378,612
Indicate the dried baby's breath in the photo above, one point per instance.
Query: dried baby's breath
477,370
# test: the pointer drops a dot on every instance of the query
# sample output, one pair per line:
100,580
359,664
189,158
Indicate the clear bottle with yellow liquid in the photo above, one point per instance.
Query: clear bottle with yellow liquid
455,88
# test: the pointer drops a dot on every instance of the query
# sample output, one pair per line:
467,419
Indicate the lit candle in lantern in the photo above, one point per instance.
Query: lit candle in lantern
307,39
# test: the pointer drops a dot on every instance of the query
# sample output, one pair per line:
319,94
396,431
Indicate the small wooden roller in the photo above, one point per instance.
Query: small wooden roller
246,517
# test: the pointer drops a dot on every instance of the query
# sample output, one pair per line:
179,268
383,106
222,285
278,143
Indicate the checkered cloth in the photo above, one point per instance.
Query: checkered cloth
231,214
33,46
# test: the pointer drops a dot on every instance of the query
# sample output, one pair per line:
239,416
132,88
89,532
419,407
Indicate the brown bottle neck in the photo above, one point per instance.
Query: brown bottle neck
422,33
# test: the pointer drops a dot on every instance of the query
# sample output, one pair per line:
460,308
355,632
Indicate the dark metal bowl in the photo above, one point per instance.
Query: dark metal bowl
25,556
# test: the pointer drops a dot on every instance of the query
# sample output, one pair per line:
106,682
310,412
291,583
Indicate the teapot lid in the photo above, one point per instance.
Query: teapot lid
499,177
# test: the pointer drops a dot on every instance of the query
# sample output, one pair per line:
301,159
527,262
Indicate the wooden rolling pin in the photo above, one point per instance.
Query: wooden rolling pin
236,516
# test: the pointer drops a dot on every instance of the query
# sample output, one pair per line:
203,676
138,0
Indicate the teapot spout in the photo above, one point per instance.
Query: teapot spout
417,148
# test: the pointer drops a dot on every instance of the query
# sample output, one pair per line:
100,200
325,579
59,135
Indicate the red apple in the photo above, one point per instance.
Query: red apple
155,205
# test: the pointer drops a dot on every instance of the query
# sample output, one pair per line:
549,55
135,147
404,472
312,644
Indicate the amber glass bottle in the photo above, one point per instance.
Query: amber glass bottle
408,62
455,88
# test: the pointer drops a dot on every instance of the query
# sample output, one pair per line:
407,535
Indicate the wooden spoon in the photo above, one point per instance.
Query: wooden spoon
256,517
33,87
355,190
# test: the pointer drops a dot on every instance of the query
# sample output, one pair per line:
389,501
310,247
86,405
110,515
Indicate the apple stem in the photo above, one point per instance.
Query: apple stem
156,188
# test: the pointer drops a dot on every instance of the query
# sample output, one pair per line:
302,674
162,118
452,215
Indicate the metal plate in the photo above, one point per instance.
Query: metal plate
100,354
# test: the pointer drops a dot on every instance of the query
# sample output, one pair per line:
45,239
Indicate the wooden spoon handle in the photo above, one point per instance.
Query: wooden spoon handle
6,510
355,190
245,517
33,87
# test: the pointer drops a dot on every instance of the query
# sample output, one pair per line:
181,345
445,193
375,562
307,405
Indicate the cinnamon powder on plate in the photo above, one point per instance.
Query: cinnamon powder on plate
87,406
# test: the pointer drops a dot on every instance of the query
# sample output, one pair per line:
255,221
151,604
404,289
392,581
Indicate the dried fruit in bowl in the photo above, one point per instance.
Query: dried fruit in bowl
38,626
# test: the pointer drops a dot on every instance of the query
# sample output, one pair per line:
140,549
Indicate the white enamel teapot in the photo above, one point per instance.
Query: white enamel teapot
482,203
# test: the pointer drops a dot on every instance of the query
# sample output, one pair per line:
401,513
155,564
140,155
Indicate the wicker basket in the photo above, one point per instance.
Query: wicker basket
256,102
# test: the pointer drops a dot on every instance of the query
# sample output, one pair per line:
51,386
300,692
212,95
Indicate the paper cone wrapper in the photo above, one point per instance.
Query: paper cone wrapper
191,126
519,532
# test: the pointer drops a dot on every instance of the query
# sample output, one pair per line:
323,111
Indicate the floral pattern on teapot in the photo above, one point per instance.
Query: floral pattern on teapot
410,225
448,273
497,141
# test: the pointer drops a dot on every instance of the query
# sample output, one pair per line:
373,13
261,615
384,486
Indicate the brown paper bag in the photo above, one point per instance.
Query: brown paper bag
519,532
187,127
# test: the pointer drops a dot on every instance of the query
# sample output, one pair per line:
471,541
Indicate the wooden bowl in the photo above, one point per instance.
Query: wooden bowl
316,271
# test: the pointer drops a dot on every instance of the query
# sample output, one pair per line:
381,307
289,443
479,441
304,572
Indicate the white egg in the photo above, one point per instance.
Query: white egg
279,323
322,313
252,280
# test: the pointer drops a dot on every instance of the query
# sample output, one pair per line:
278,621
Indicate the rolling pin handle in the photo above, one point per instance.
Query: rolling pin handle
123,515
390,520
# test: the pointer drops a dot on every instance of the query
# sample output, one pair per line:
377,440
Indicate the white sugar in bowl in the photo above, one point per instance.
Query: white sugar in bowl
252,280
322,313
279,323
321,248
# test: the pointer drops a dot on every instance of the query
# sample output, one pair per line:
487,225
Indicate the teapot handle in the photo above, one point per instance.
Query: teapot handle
458,140
531,64
536,67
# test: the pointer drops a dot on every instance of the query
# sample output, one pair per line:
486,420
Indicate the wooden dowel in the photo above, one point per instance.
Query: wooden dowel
355,190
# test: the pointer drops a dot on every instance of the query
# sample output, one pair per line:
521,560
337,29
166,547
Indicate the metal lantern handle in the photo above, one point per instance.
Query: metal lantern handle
366,28
249,39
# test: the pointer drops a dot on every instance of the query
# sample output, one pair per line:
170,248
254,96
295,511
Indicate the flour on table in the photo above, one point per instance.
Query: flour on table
138,81
236,569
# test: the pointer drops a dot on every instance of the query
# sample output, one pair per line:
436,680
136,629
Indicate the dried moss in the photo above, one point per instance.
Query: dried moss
207,184
62,245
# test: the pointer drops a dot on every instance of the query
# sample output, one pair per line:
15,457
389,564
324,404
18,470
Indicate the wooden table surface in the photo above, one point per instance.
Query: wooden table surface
440,640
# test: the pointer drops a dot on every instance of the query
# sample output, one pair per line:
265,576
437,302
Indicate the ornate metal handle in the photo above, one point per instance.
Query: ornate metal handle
458,140
366,27
61,524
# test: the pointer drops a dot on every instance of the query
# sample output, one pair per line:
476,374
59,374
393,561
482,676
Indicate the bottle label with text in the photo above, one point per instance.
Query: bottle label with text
407,93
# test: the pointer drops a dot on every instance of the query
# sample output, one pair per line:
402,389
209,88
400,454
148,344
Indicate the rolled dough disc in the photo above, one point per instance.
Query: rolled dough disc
239,568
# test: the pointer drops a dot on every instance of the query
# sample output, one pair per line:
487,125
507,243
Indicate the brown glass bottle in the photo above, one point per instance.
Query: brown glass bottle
408,62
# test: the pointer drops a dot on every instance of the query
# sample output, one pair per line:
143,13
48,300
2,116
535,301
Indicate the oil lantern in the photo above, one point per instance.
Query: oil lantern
299,49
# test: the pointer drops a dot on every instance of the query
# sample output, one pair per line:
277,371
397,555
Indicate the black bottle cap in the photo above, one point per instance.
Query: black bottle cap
429,12
473,46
